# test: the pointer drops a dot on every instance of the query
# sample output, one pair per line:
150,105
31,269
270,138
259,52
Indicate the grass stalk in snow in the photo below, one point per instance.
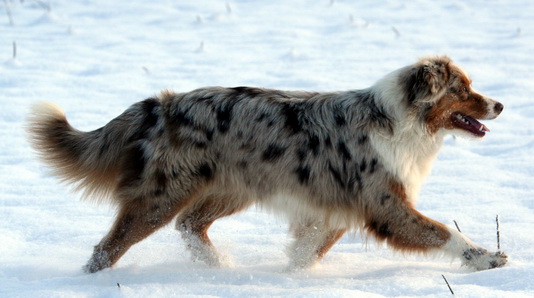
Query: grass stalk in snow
8,12
498,233
457,227
397,33
448,285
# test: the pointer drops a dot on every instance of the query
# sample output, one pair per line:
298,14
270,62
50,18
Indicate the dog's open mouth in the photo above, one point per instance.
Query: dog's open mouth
470,124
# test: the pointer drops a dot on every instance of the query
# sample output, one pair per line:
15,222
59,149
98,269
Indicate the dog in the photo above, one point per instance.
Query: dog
331,162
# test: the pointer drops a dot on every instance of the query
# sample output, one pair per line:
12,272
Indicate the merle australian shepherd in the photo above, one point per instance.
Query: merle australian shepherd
331,162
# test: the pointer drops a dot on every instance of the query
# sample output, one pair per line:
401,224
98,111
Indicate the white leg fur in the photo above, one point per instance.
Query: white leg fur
471,254
304,251
201,251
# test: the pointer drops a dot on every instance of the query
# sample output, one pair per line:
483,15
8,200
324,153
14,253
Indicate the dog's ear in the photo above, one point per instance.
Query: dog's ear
435,72
426,78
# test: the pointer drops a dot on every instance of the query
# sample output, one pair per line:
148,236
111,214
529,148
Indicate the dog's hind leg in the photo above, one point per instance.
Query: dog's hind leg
312,242
135,221
196,219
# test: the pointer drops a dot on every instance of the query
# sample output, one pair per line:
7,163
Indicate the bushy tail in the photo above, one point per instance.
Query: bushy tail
88,160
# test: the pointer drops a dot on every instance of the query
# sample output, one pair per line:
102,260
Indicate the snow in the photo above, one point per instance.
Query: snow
94,58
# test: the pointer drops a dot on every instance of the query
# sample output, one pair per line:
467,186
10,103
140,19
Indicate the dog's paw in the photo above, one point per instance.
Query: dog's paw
95,266
481,259
98,261
300,263
211,259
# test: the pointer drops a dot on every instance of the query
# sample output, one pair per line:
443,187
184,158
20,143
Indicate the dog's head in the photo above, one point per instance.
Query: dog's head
442,93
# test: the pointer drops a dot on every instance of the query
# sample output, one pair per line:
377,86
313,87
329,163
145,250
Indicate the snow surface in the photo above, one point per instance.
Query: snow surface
95,58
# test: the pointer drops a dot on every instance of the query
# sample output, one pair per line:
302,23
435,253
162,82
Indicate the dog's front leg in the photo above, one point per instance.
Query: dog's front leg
395,221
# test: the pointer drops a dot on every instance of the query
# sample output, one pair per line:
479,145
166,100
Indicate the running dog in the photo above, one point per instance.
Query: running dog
331,162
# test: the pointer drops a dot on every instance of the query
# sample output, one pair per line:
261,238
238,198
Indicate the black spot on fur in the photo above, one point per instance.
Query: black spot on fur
381,230
374,163
132,166
205,171
343,151
374,113
363,165
384,231
174,173
493,264
313,144
151,116
356,178
243,164
301,154
105,144
160,132
247,91
337,176
339,116
362,139
150,119
273,152
347,176
224,117
468,254
384,198
209,134
181,118
327,142
416,84
161,179
303,173
292,113
262,117
201,145
372,226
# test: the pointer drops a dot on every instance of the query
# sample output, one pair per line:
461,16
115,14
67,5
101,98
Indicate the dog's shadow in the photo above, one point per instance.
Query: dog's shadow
192,273
188,272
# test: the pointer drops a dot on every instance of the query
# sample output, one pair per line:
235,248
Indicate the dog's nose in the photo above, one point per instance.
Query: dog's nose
498,108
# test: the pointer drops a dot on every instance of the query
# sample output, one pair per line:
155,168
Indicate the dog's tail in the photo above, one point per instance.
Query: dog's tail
88,160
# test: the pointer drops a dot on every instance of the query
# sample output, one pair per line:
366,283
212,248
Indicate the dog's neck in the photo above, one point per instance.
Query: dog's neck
408,150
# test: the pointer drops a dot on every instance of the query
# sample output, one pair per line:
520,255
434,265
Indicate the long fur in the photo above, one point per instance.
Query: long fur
330,162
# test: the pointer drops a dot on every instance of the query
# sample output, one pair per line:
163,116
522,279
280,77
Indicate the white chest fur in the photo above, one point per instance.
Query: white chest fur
408,155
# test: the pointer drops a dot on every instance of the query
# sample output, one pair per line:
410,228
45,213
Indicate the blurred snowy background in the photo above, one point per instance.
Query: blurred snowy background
94,58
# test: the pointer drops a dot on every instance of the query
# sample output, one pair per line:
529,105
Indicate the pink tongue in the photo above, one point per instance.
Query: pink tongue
476,124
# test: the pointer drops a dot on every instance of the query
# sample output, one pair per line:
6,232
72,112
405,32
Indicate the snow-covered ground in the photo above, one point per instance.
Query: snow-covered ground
96,57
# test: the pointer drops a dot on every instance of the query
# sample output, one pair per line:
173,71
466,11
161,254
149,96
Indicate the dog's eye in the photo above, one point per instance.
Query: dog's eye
465,90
